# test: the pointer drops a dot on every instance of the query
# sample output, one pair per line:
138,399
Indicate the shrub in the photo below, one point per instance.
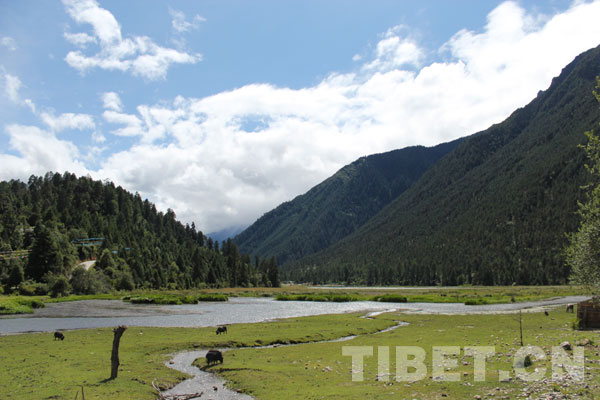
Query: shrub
476,302
31,288
391,298
211,297
578,324
60,287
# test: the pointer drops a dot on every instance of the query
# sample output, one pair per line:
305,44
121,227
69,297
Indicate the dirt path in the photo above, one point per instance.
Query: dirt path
87,264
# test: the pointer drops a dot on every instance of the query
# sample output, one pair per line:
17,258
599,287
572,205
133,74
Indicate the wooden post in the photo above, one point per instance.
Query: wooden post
521,326
114,359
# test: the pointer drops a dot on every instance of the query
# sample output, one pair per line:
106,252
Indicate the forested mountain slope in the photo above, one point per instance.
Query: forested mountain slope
57,220
339,205
494,211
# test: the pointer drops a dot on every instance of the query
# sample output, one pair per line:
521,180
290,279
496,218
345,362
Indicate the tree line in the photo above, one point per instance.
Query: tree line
137,246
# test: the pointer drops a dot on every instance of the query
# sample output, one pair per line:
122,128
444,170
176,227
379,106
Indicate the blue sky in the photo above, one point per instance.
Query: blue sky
221,110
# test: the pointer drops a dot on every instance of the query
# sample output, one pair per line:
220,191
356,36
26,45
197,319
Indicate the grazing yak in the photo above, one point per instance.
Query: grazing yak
59,335
570,308
212,356
221,329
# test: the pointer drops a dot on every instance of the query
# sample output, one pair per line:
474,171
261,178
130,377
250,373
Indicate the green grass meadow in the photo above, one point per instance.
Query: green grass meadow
35,366
321,371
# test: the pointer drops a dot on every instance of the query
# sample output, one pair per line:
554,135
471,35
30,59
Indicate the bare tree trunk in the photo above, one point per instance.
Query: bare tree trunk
114,359
521,326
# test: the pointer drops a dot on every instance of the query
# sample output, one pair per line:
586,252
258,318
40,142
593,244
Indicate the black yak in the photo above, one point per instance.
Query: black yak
570,308
212,356
221,329
59,335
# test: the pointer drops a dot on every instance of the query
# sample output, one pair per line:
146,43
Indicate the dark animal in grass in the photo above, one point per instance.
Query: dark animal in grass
221,329
59,335
212,356
546,313
570,308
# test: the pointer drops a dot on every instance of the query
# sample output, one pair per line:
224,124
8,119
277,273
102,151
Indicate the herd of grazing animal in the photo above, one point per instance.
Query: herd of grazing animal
213,356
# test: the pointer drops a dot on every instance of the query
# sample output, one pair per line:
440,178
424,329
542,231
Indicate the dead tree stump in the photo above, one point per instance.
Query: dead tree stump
114,359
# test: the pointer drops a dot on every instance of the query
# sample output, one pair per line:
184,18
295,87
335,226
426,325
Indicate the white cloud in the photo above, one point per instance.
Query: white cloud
237,154
106,28
40,151
112,101
226,159
68,121
8,42
138,55
12,86
133,125
180,23
80,39
394,51
98,137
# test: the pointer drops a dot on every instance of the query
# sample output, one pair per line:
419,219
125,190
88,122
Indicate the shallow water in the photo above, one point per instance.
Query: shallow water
207,383
109,313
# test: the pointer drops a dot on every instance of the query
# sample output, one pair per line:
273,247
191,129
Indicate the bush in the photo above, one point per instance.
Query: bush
391,298
31,288
125,281
527,362
89,282
211,297
60,287
578,324
476,302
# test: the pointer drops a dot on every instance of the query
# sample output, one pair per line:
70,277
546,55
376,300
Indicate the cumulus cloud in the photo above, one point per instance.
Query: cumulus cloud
68,121
181,24
8,42
12,86
235,155
395,51
39,152
79,39
138,54
133,125
225,159
112,101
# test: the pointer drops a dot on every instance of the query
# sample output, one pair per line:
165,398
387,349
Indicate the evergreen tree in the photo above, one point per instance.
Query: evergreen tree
15,273
45,255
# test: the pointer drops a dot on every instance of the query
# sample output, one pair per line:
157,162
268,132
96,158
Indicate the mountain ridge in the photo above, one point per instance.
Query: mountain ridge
339,205
487,220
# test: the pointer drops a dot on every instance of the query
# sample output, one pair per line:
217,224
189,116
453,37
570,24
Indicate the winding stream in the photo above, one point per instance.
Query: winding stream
209,383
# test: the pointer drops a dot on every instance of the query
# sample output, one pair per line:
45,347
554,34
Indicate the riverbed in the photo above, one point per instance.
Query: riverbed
109,313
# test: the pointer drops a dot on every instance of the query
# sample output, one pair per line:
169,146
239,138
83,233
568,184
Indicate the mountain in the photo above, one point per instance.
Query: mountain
226,233
339,205
493,211
50,223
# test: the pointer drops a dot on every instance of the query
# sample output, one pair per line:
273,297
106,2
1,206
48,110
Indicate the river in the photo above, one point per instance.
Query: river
109,313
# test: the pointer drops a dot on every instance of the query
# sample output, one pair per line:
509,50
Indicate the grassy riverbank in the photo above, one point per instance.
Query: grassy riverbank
462,294
458,294
312,371
36,366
